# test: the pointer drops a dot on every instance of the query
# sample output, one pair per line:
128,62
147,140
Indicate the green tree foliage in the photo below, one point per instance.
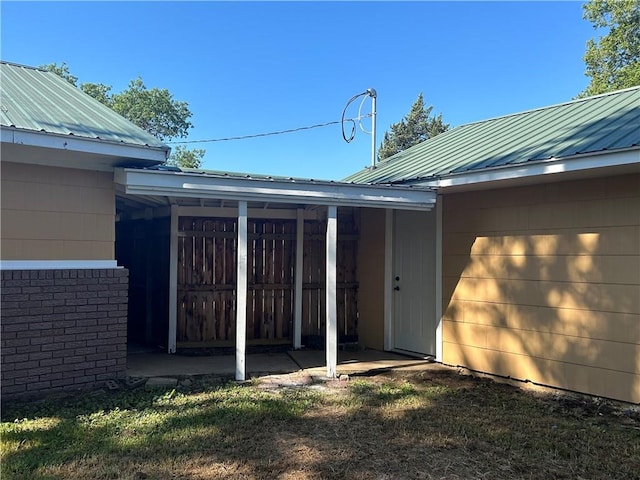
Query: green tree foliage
613,60
154,110
181,156
61,70
414,128
99,91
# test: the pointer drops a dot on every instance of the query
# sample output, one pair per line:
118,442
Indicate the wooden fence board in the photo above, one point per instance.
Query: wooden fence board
206,279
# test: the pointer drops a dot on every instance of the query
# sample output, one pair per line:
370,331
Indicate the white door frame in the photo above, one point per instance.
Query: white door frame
389,340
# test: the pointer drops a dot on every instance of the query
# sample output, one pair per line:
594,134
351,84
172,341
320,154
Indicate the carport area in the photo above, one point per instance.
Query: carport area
234,263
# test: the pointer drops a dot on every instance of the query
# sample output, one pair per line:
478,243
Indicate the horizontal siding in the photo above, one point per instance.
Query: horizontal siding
560,374
546,285
53,213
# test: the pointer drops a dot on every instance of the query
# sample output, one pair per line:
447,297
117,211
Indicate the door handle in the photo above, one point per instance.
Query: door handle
396,288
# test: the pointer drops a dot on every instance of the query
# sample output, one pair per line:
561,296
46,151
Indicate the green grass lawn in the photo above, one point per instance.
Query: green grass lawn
393,426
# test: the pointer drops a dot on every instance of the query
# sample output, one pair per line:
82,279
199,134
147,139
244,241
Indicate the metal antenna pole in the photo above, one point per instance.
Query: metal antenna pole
372,93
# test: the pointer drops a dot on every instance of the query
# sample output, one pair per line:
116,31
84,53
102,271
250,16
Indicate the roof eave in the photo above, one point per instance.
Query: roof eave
152,154
532,169
190,185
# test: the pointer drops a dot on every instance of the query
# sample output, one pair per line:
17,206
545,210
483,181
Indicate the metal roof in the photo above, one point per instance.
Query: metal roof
40,101
604,123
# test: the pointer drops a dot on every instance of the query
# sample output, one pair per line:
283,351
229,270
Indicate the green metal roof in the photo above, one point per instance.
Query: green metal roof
40,101
607,122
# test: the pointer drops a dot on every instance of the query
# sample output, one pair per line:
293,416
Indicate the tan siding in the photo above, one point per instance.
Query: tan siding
371,278
542,283
53,213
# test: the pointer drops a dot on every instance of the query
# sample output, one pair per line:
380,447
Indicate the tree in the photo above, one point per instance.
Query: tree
61,70
153,110
99,91
613,60
183,157
414,128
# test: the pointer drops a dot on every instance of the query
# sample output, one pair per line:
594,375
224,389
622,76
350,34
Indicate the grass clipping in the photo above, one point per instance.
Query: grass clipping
412,425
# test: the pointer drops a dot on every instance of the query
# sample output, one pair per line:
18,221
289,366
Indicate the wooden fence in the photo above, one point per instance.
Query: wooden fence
207,275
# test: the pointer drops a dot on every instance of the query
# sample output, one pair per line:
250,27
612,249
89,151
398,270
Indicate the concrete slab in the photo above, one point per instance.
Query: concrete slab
350,363
310,362
164,365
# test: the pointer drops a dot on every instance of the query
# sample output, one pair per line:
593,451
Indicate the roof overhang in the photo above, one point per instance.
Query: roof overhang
43,148
552,169
283,191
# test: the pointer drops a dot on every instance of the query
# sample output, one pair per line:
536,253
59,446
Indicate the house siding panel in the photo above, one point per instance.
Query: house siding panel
547,288
370,269
51,213
62,329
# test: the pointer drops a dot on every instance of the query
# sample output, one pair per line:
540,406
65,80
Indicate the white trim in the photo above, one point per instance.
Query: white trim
540,168
173,280
331,292
202,186
438,299
297,320
83,145
241,293
388,280
58,264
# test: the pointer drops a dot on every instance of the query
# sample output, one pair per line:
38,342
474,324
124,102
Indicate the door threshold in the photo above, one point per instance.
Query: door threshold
408,353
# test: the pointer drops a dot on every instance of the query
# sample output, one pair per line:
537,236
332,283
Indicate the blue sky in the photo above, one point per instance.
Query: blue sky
253,67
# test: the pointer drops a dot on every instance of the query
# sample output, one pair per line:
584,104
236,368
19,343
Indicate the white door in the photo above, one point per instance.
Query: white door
414,312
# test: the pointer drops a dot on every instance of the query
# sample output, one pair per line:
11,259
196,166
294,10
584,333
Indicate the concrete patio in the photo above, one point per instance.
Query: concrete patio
145,364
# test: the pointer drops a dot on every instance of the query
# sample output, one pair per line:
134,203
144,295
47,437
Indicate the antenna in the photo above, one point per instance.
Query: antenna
370,92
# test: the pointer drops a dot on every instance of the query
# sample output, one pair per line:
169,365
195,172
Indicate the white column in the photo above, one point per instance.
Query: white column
241,293
173,279
439,326
332,313
297,320
388,280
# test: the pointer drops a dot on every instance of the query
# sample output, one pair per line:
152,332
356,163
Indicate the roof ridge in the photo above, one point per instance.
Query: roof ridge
547,107
14,64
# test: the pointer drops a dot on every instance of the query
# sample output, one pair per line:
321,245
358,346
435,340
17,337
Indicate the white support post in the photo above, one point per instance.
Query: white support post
297,320
439,319
173,279
331,291
388,280
241,293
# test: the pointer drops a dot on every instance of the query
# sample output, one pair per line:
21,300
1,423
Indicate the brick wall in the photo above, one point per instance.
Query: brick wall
62,329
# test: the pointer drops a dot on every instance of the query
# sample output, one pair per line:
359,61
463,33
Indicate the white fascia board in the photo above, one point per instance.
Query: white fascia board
84,145
58,264
145,182
541,168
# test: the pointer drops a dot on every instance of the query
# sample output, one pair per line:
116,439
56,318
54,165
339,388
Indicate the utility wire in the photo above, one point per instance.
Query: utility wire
280,132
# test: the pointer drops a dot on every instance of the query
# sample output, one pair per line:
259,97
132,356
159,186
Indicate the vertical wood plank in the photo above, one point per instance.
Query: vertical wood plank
173,280
259,279
278,279
297,319
219,254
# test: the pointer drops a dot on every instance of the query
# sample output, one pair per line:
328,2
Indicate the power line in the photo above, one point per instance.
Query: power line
280,132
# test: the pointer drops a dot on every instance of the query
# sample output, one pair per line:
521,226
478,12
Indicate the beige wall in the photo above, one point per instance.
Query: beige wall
542,283
371,278
51,213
